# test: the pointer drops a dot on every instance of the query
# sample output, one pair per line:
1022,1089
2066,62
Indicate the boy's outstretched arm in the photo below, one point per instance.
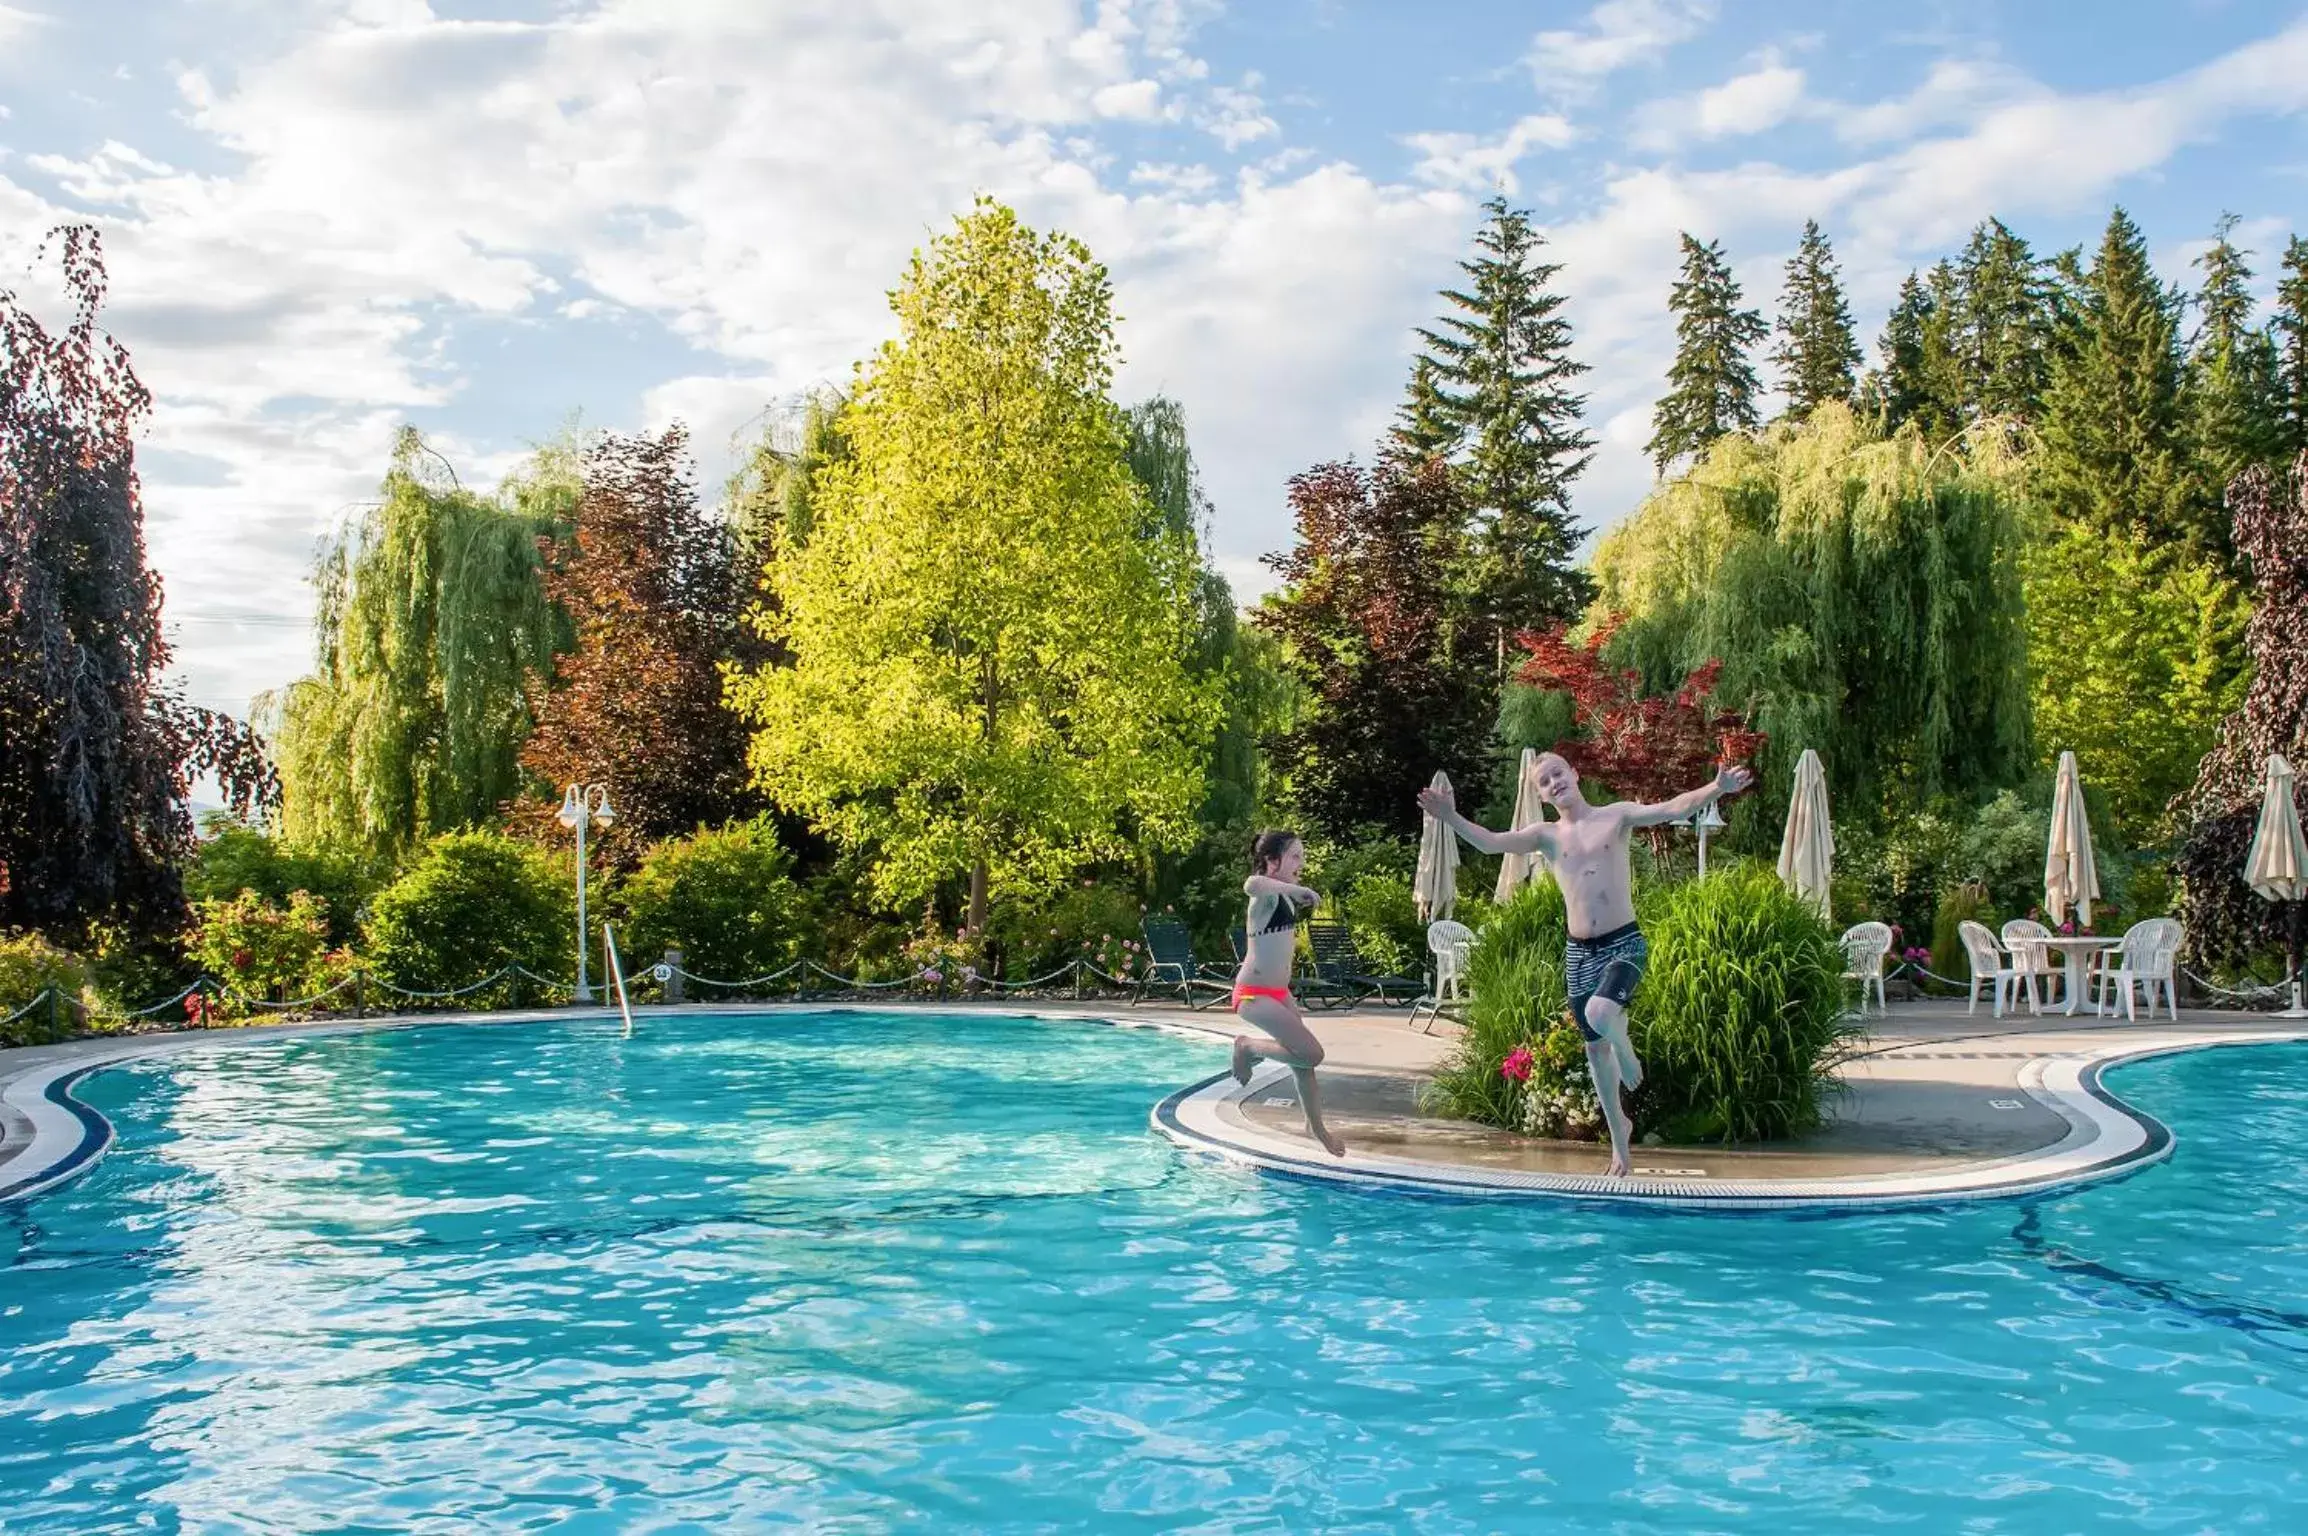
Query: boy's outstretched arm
1442,805
1729,780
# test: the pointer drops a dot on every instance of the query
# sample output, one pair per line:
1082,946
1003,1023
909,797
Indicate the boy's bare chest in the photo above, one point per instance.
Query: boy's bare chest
1587,845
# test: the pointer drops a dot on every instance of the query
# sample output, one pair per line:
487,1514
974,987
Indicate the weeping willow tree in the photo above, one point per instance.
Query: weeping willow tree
1203,882
1862,592
771,496
432,624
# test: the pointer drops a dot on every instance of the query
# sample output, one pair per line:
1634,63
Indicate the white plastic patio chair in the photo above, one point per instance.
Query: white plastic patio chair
1987,964
1448,942
2144,962
2030,958
1865,946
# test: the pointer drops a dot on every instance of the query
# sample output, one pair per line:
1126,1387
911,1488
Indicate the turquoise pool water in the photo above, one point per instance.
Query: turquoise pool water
906,1272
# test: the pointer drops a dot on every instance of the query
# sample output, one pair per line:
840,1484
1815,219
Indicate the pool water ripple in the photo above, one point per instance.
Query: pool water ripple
868,1272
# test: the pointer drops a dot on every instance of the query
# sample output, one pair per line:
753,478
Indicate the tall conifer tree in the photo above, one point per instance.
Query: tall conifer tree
1818,353
1426,427
1711,386
2110,455
2002,334
1495,385
2291,329
2232,383
1896,389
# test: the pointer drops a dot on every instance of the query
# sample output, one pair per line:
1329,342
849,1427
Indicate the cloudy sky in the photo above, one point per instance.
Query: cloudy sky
328,217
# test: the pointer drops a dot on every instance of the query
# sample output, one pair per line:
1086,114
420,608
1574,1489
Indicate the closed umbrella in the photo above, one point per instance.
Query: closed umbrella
1807,851
1436,888
1520,869
2070,876
2277,867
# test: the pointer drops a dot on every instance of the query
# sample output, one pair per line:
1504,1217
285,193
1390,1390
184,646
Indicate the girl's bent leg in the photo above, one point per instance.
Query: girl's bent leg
1295,1046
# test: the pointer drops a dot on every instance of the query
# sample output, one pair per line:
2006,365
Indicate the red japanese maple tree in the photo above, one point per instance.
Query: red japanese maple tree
1646,747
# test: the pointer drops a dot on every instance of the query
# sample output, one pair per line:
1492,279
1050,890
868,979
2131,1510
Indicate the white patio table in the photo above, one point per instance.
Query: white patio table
2076,950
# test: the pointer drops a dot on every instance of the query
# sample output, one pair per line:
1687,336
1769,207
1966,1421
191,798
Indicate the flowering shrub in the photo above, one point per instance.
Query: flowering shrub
29,966
1084,921
1558,1098
1119,957
936,960
264,951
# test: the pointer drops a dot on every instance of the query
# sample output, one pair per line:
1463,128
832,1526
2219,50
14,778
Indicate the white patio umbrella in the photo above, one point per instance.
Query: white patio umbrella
1807,851
2277,867
2070,876
1436,887
1520,869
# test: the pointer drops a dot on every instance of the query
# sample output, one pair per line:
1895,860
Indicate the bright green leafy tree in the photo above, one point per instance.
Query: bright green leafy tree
987,674
2134,658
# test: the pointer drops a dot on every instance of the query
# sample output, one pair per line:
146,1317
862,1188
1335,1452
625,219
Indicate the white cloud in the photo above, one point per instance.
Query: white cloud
1236,115
1954,92
1754,102
1469,161
1138,100
750,179
17,23
753,178
1618,34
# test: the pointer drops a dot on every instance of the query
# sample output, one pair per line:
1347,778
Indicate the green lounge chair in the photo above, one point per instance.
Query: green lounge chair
1340,965
1171,966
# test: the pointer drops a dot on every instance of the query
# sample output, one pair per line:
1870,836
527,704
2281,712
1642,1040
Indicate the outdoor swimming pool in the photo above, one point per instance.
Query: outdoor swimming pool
912,1271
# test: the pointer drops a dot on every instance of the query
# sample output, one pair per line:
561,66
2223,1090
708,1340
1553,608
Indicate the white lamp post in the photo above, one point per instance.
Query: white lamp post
583,805
1707,819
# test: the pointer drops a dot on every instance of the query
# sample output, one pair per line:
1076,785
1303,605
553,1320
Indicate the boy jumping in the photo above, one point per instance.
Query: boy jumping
1587,850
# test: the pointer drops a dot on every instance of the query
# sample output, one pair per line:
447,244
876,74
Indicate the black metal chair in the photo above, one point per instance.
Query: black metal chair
1340,966
1171,966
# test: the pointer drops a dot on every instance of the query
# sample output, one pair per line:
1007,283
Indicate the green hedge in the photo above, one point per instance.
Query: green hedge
1742,1006
725,897
469,905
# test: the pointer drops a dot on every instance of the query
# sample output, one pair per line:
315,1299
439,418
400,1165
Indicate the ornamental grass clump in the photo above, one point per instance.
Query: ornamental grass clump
1743,1011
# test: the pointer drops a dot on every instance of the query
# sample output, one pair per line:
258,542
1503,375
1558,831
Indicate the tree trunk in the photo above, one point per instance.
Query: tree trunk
976,921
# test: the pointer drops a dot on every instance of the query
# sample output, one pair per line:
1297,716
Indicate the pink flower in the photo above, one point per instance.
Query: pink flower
933,974
1517,1065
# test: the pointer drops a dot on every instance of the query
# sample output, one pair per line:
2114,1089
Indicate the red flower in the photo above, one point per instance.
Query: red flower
1517,1065
241,959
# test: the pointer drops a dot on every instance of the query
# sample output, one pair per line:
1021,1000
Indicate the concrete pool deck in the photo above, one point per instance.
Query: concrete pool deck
1938,1106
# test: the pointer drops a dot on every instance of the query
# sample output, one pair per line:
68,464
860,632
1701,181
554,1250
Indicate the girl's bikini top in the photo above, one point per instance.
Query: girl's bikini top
1286,915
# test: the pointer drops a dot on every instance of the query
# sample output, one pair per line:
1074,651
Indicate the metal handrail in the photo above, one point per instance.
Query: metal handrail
617,974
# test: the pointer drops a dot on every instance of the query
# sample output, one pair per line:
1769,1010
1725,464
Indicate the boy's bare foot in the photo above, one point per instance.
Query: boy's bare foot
1331,1142
1242,1060
1621,1165
1630,1065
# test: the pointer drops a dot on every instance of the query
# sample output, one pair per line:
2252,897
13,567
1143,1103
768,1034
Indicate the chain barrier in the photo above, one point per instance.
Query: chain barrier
39,999
2275,990
307,1002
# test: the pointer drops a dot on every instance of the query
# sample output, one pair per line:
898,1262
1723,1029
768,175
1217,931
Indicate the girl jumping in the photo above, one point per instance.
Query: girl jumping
1278,904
